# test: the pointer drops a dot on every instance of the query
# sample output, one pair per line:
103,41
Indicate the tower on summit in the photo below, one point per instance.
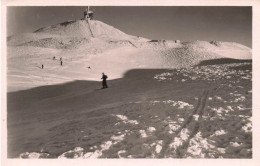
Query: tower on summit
88,14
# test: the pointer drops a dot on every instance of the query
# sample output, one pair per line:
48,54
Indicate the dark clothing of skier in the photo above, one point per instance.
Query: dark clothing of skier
104,82
42,66
61,63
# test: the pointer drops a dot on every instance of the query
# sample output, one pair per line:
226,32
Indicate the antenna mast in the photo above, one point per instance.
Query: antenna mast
88,14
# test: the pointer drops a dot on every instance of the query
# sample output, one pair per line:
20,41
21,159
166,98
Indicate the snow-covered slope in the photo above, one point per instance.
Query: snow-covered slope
85,43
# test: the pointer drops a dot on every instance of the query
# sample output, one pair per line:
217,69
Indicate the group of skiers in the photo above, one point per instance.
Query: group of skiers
60,60
104,77
54,58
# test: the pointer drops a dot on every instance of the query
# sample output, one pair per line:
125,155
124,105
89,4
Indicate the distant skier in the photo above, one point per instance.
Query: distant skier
104,82
42,66
89,67
60,58
54,58
61,63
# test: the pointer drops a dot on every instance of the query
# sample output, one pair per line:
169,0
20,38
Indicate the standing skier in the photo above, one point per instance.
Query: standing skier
104,82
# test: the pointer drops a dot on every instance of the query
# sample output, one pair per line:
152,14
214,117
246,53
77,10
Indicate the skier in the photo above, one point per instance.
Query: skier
61,63
42,66
54,58
104,82
60,58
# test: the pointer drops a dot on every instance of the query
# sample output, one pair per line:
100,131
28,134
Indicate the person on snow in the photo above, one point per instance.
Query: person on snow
42,66
104,82
54,58
61,63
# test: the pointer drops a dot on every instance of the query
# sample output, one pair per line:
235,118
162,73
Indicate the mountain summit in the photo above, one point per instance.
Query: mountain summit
85,29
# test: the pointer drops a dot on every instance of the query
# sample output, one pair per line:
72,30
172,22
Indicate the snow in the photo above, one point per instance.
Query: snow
180,120
234,144
179,104
158,147
73,41
208,73
173,127
114,52
106,145
220,110
121,152
198,145
218,98
151,129
76,153
178,141
196,117
92,155
221,150
125,119
122,117
247,128
184,134
143,133
219,132
33,155
118,138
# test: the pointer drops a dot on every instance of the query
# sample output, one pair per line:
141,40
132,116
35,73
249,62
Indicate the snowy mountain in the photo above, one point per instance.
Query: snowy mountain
103,48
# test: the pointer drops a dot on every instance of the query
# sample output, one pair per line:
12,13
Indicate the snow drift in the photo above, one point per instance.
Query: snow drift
85,43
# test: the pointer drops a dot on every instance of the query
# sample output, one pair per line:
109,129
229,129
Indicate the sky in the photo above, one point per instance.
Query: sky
233,24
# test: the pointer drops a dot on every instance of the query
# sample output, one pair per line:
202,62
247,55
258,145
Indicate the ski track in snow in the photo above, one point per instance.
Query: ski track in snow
213,128
217,126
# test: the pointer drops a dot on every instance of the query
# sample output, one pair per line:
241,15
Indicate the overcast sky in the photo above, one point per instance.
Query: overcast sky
183,23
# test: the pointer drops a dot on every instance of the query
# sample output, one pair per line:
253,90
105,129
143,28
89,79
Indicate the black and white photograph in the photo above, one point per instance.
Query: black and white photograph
129,82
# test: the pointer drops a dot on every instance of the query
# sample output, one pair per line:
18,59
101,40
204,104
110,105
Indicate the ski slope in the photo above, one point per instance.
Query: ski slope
104,48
